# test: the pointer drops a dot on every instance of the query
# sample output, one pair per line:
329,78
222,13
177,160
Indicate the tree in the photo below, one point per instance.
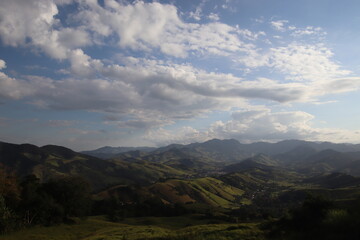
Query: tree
72,193
37,206
9,187
9,198
8,218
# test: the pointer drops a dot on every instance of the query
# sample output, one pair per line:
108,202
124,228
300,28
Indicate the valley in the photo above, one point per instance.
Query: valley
223,185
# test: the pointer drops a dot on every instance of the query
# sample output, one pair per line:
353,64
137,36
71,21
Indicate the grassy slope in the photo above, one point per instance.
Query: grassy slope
203,190
96,228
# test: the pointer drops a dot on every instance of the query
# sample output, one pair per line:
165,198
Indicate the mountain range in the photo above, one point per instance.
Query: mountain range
231,149
217,172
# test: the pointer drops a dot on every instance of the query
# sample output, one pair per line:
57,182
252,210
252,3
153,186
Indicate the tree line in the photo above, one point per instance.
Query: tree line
28,201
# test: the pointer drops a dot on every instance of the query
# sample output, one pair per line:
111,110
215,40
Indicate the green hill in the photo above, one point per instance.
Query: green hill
51,161
209,191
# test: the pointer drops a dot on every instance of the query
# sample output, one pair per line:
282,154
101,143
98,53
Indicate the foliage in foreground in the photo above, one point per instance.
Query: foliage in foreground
318,218
96,228
31,202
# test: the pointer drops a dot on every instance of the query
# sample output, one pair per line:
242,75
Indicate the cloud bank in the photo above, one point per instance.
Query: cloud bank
156,77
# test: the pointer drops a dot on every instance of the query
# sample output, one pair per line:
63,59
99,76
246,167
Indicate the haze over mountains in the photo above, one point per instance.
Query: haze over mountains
230,150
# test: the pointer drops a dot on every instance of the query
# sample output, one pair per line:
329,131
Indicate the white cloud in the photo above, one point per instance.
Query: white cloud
146,89
256,125
150,89
297,62
2,64
338,85
214,17
138,26
197,14
73,38
154,93
30,23
82,64
33,23
279,25
307,31
22,19
275,126
11,88
305,62
153,26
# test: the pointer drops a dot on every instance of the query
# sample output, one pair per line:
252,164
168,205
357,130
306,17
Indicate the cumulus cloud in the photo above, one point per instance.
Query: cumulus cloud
152,93
147,26
256,125
33,23
11,88
214,17
82,64
265,125
2,64
147,90
151,89
22,19
30,23
73,38
138,26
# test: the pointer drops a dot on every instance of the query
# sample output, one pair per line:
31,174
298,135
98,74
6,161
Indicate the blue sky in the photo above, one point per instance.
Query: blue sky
88,73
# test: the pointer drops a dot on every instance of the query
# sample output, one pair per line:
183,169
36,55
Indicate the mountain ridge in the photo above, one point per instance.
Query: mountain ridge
246,150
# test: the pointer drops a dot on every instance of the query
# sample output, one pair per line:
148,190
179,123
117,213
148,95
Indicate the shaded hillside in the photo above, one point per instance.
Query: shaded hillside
212,151
51,161
296,155
327,161
334,180
21,158
259,161
110,152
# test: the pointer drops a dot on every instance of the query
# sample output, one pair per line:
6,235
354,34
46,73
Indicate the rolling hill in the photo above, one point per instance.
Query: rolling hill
216,172
208,191
109,152
50,161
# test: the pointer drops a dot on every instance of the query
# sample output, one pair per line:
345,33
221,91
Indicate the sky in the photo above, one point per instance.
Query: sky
91,73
